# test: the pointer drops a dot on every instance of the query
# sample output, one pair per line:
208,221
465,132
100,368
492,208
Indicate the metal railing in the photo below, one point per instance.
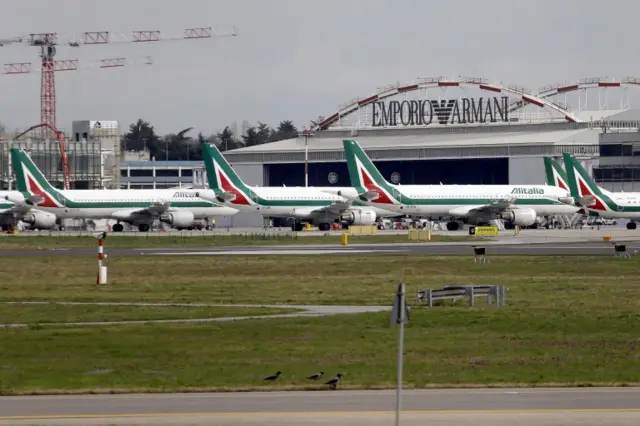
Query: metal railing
454,292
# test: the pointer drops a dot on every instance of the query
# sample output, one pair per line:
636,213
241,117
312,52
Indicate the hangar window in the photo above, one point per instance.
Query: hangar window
616,150
611,150
141,172
167,172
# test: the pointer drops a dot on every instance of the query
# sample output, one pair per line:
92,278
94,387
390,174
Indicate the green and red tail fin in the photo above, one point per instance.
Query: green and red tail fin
582,186
556,176
30,180
223,180
366,178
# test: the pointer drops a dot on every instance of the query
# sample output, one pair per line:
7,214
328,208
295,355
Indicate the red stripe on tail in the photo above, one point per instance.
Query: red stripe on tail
368,183
226,185
597,204
34,188
562,185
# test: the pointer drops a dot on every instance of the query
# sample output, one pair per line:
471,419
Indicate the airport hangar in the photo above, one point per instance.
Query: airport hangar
426,133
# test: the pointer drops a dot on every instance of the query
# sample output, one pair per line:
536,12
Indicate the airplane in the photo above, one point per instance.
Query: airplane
14,210
557,176
607,204
477,204
298,203
139,207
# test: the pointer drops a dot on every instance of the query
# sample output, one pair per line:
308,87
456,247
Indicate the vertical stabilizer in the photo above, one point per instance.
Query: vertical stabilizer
366,178
31,181
223,180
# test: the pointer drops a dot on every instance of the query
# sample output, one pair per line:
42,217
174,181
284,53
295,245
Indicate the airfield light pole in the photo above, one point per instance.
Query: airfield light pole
399,315
306,134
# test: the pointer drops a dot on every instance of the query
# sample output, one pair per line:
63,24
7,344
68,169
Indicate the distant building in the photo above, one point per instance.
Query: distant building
160,174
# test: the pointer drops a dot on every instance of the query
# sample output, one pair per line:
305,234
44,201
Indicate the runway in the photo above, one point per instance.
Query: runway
584,406
493,248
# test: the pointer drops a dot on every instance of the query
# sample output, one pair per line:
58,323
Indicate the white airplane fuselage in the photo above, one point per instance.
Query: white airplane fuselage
457,200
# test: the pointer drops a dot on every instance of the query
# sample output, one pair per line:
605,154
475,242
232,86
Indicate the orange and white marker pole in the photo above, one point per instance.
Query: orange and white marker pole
102,270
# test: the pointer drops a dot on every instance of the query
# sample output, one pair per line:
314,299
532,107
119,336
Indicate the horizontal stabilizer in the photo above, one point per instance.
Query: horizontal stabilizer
20,200
567,200
35,199
370,195
586,200
228,196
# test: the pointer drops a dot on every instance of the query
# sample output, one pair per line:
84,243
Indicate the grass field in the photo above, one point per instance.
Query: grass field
60,313
566,321
153,240
336,280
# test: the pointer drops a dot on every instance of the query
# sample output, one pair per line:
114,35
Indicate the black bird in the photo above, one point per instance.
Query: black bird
334,382
316,376
275,376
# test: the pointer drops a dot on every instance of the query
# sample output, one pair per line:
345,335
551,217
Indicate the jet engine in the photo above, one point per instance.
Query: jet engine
520,217
179,219
40,220
360,217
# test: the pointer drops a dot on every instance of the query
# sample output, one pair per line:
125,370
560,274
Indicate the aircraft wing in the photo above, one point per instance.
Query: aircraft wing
337,207
495,207
155,209
14,209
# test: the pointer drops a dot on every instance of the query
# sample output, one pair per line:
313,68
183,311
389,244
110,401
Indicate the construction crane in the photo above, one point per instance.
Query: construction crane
47,43
67,65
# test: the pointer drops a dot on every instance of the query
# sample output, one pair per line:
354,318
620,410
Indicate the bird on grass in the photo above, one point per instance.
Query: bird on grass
273,377
334,382
316,376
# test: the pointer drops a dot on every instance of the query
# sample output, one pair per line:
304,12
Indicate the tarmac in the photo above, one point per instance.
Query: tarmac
585,242
492,248
481,407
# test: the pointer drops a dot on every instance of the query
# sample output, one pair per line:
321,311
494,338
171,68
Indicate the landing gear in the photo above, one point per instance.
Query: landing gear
631,225
118,227
453,226
324,226
144,227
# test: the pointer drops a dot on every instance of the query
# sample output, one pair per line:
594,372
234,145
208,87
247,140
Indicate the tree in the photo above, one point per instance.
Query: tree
180,146
265,133
177,146
201,138
141,136
251,138
226,141
286,130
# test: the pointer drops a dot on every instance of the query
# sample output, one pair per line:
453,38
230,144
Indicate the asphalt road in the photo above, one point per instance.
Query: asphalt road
496,248
617,406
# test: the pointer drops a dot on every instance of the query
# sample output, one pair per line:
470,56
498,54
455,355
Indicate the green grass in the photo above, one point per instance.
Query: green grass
153,240
335,279
443,347
62,313
567,321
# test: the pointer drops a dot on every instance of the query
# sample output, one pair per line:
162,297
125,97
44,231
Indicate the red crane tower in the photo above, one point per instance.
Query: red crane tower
47,43
67,65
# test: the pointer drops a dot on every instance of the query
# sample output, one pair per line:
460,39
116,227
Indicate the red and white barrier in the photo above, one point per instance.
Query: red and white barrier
102,269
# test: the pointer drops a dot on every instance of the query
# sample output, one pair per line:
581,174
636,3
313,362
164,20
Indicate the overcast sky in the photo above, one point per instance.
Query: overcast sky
298,59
